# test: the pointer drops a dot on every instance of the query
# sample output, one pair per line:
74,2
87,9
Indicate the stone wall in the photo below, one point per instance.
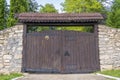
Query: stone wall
11,49
109,47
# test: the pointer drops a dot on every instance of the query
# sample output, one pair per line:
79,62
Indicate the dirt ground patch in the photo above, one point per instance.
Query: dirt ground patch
63,77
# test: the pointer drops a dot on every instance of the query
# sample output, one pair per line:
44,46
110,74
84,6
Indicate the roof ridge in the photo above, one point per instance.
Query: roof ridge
57,17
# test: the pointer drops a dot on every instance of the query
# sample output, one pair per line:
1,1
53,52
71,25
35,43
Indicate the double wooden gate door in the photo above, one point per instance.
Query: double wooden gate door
61,51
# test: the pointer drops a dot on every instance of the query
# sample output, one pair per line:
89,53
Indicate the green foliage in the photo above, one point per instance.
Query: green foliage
68,28
77,6
115,73
33,6
16,6
3,14
48,8
113,19
9,77
2,20
19,6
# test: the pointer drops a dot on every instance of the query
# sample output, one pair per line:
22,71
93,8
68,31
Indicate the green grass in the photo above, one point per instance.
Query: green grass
9,77
115,73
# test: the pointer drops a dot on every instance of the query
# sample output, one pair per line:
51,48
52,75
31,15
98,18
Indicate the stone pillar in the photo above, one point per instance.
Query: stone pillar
11,49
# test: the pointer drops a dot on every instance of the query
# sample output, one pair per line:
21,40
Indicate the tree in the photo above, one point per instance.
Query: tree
16,6
48,8
33,5
113,19
77,6
3,14
106,4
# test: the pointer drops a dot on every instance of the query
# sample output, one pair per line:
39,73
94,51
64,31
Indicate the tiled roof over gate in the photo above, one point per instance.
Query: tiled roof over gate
62,17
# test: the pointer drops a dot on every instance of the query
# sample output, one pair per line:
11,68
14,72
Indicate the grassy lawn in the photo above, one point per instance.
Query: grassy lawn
115,73
9,77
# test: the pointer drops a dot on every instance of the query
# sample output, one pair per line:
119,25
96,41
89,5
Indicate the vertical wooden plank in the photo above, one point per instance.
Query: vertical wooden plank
43,54
97,45
24,47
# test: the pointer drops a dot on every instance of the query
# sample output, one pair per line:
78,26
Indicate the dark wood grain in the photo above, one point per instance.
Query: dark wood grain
61,51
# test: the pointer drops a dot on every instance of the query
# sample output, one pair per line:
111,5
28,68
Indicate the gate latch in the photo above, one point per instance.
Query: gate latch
66,53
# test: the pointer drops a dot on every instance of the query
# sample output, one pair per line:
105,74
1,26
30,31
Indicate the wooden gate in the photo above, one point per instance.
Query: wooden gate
43,51
60,51
79,52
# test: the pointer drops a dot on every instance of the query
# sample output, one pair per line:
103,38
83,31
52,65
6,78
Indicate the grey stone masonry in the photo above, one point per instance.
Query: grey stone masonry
109,47
11,49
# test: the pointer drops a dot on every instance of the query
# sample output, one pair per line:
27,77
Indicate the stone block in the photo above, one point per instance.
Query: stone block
101,46
105,61
110,48
109,51
7,67
18,56
5,42
113,30
8,47
19,31
117,49
1,65
106,39
4,71
20,35
1,61
102,52
6,64
1,41
1,37
102,33
6,61
117,44
102,49
20,43
18,52
14,28
11,34
105,57
16,69
13,49
20,27
101,36
118,30
111,35
8,30
15,35
8,57
102,43
20,48
106,67
101,39
18,62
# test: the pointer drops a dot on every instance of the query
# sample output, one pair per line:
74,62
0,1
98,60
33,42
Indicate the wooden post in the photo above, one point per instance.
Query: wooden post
97,44
24,47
